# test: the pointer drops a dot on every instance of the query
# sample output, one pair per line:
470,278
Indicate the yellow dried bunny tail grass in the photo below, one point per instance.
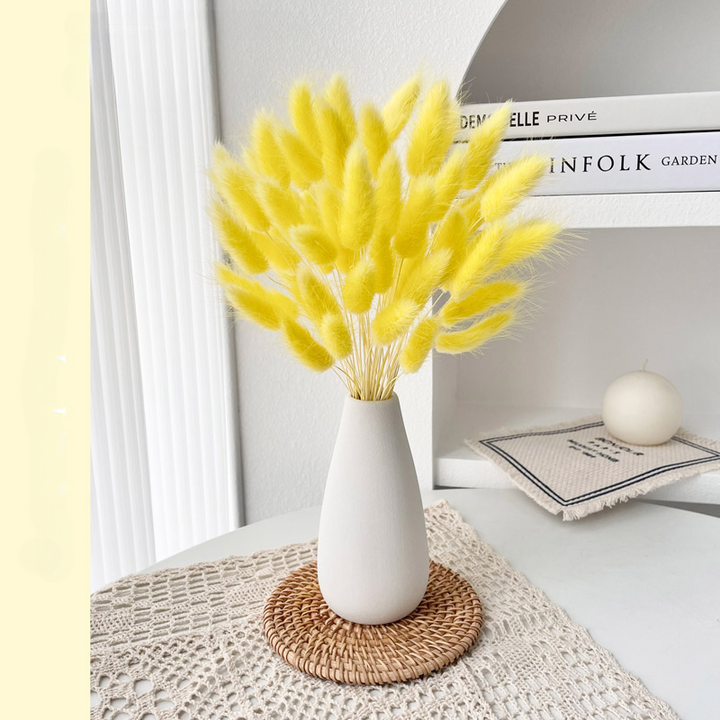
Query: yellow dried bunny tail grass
510,184
383,260
316,298
400,106
314,243
415,216
448,181
471,207
281,204
227,276
434,131
253,307
266,151
236,240
388,194
251,300
221,157
345,260
337,96
528,239
419,344
283,305
357,211
305,348
453,231
361,232
237,187
310,209
335,335
283,258
429,274
374,136
359,288
305,166
330,199
483,144
335,141
330,204
460,341
301,105
481,300
406,268
394,320
453,234
480,262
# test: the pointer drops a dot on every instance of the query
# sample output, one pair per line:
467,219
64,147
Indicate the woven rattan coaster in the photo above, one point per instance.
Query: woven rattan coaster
307,634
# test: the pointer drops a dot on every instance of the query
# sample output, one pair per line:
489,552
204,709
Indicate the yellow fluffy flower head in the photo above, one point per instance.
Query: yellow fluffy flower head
367,236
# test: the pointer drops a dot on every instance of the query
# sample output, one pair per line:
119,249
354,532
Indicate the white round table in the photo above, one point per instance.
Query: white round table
643,579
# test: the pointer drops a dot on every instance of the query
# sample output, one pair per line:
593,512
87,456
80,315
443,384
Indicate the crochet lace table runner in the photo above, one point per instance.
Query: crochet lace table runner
188,643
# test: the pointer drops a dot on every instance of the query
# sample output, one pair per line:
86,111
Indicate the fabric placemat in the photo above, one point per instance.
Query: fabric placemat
188,643
577,468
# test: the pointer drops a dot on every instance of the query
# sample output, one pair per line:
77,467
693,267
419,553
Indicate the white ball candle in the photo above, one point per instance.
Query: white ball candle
642,408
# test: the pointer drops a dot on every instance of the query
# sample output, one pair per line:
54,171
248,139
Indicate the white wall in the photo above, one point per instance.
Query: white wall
288,416
571,48
624,297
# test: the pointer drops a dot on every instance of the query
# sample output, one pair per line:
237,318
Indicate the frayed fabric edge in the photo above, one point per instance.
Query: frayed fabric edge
588,507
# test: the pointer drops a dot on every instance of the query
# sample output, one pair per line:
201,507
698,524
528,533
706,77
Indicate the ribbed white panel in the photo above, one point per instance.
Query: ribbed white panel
122,536
161,54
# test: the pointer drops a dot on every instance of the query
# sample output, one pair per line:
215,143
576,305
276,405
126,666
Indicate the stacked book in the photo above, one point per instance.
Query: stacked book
633,144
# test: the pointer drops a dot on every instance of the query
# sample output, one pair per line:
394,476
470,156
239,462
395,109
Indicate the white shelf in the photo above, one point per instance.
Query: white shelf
580,212
458,466
636,288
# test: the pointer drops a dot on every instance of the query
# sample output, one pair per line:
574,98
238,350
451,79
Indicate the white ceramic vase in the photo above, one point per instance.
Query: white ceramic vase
372,547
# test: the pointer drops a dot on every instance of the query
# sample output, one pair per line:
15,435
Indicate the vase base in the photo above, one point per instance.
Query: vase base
308,635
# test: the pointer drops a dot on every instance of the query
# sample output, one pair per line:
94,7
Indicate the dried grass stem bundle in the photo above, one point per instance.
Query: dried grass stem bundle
364,251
